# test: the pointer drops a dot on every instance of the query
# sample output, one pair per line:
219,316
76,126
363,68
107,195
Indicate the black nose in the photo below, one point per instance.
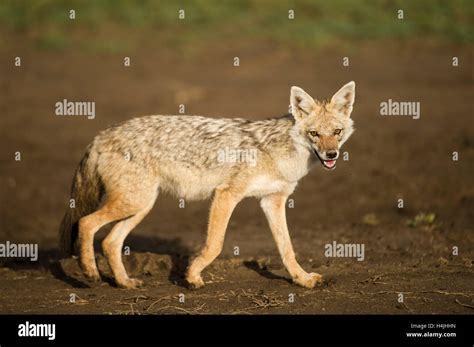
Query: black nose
331,154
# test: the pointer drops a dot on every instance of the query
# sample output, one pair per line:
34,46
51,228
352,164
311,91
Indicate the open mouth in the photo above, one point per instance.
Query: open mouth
327,164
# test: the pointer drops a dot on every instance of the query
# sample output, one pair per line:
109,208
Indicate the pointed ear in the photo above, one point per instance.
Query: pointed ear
344,99
301,102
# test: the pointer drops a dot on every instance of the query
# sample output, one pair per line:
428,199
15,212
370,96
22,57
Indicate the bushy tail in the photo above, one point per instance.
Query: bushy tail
87,190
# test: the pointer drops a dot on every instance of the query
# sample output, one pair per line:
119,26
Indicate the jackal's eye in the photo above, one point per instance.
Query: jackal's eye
314,133
337,131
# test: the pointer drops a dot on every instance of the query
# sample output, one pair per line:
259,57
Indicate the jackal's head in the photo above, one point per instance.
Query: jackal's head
324,125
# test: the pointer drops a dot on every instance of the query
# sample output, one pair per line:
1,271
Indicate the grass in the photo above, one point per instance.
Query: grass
370,219
315,22
422,219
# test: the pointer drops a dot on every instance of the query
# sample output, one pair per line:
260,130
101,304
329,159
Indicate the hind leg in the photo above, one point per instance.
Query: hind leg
121,203
113,243
88,226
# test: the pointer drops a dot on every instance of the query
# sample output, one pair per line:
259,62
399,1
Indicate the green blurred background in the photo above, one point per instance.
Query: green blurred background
121,24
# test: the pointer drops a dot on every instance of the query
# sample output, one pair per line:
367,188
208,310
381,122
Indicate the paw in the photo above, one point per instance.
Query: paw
195,282
92,275
130,283
309,280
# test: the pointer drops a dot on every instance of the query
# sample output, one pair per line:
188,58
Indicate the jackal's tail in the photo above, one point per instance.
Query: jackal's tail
86,192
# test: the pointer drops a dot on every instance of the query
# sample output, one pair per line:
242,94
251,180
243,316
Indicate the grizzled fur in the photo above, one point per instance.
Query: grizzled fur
126,166
176,150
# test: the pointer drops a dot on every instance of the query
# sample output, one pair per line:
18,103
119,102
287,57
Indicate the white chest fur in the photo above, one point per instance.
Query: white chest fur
265,184
293,168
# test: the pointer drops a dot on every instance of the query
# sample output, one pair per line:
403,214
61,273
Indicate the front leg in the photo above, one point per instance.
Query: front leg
223,204
274,207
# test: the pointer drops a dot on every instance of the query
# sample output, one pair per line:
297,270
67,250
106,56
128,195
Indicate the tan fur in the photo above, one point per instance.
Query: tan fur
222,206
126,165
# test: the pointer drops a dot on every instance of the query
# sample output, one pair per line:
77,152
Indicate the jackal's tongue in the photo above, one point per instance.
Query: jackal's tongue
329,163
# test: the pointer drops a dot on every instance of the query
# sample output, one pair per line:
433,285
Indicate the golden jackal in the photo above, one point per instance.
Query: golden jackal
126,166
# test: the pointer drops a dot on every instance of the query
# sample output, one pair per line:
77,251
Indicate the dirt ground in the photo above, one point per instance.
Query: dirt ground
389,158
